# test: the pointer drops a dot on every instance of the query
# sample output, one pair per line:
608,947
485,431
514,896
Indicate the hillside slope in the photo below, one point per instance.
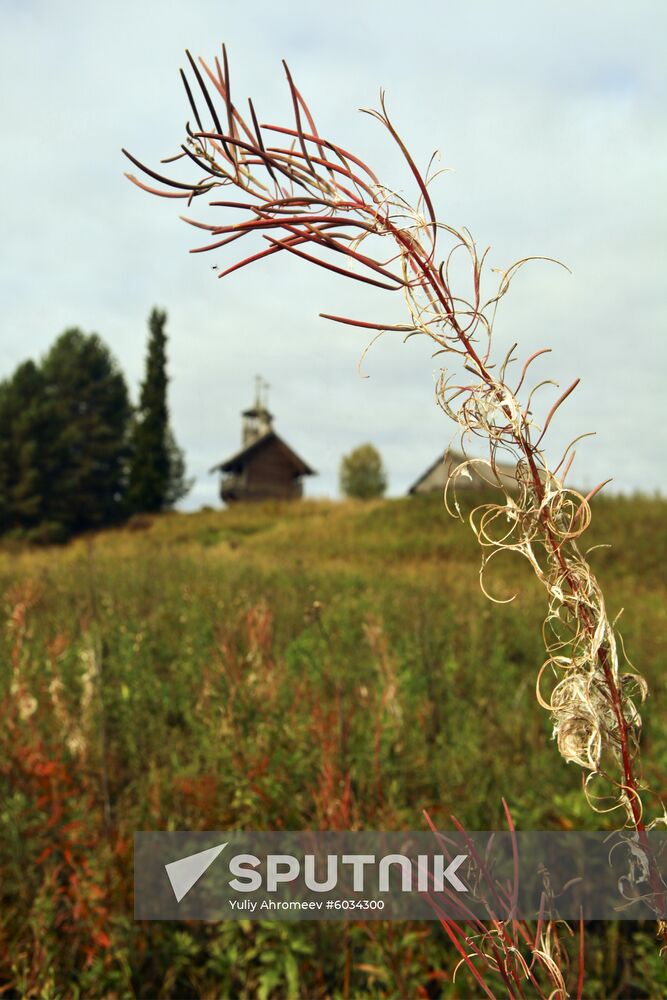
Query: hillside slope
313,665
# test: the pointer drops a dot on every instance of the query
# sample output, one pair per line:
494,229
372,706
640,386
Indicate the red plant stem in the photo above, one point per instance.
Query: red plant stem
630,782
434,282
580,978
528,450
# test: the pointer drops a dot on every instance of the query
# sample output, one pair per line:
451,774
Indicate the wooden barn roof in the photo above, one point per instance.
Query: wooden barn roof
236,461
449,460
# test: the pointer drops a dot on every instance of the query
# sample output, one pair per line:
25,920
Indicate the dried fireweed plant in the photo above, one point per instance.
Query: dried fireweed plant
310,198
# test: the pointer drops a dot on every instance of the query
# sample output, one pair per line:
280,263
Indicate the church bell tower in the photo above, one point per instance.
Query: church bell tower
257,421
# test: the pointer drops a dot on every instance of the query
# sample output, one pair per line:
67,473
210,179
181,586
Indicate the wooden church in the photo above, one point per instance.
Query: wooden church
265,467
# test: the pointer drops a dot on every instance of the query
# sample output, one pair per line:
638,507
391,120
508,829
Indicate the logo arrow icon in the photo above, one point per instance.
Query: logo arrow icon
186,871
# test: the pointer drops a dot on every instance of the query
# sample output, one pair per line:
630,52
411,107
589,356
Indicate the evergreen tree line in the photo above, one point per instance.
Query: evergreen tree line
74,453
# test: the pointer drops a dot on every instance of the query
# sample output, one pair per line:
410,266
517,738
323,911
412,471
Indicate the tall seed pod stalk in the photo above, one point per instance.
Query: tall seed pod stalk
310,198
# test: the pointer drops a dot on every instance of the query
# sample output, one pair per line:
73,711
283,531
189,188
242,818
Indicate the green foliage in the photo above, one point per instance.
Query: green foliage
63,445
24,443
285,666
362,474
157,473
67,438
88,405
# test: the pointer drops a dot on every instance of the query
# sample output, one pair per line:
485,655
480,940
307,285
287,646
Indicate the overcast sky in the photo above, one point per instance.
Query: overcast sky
551,116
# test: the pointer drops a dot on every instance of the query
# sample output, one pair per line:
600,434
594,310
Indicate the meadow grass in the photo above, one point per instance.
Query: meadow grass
315,665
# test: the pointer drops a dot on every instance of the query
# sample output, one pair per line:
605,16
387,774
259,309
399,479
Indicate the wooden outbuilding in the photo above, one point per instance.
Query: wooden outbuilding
435,478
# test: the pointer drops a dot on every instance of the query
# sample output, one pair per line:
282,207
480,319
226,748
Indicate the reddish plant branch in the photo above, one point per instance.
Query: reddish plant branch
313,193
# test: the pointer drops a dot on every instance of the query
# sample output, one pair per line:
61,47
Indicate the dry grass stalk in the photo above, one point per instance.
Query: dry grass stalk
310,198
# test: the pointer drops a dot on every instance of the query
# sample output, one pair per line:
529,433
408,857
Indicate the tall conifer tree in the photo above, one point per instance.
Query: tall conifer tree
63,441
25,437
157,478
88,411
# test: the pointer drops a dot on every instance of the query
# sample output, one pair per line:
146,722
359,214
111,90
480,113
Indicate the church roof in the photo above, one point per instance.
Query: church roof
236,461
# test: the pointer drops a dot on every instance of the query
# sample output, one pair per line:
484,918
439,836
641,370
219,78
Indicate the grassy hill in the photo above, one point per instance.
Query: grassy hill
314,665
